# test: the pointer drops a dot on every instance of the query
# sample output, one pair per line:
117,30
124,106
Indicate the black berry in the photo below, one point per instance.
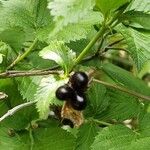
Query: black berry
64,92
78,102
79,81
68,122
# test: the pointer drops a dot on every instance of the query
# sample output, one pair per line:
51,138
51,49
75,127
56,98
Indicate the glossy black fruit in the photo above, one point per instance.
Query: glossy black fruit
79,81
68,122
78,102
65,92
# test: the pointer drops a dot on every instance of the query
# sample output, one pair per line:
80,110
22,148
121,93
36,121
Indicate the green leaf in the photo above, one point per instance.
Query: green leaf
77,24
136,19
26,14
15,37
140,144
44,63
52,137
121,107
3,108
28,87
59,53
98,100
11,143
9,87
144,126
45,94
114,137
120,137
70,11
126,79
85,136
76,31
140,5
29,16
138,45
15,13
108,6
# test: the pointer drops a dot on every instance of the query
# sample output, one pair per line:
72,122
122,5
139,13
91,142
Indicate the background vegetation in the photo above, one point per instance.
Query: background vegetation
42,42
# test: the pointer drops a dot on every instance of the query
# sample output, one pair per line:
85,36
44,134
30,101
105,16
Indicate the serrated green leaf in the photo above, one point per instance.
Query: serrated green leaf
61,54
98,100
85,136
70,11
52,137
29,16
44,63
73,23
107,6
45,94
121,106
136,19
126,79
138,45
26,14
120,138
140,5
15,13
28,87
114,137
77,31
78,46
140,144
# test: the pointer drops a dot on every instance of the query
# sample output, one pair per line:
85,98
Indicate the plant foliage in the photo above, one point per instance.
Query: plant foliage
43,42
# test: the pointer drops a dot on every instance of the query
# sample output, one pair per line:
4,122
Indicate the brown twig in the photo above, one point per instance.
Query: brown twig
135,94
11,74
15,109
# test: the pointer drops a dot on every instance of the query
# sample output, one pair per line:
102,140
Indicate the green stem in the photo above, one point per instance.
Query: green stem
31,138
89,46
21,57
101,122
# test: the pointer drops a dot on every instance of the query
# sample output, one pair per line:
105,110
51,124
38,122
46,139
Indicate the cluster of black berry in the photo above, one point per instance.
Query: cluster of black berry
74,92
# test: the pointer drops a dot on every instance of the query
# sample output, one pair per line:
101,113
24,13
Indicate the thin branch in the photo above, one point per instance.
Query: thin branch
31,138
21,57
133,93
10,74
101,122
15,109
26,73
91,43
